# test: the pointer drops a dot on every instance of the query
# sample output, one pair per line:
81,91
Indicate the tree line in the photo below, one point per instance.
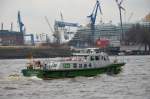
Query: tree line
138,35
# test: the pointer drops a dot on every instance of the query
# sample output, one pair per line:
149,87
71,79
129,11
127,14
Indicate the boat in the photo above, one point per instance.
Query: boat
88,62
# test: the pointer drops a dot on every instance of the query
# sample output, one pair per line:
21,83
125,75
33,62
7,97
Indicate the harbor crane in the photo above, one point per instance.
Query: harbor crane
20,23
92,17
119,4
46,19
55,34
51,29
59,28
22,28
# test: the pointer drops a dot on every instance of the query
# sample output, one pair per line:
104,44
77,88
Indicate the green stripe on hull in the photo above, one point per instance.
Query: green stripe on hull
113,68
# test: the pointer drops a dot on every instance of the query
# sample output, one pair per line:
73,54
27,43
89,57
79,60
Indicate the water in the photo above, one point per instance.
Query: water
132,83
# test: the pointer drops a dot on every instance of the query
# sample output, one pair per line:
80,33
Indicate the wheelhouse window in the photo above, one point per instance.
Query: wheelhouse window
97,58
85,57
104,58
92,58
55,65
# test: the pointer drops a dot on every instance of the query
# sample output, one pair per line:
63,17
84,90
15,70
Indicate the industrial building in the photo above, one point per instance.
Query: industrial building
11,38
89,35
102,31
146,24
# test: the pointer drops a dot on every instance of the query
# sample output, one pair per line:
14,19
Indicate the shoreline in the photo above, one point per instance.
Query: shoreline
26,52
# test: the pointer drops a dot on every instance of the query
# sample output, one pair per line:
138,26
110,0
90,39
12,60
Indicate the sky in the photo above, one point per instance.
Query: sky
33,12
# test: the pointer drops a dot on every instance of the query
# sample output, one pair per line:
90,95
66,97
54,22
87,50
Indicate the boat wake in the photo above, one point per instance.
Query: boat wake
20,77
34,78
14,77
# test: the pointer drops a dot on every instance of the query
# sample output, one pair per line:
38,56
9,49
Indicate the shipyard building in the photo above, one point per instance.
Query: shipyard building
8,38
108,31
102,31
13,38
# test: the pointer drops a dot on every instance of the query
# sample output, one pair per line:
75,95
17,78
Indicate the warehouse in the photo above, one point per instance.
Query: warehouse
9,38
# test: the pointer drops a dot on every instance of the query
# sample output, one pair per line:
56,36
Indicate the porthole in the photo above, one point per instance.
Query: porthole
92,58
97,58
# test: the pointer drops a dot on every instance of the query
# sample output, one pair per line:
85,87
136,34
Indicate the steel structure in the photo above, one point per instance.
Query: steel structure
119,4
46,19
22,28
63,24
92,17
60,28
20,23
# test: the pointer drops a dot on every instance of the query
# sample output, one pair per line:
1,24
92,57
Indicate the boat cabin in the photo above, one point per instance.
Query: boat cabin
85,59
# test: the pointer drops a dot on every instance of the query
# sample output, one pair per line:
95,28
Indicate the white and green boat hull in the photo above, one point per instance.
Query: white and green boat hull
46,74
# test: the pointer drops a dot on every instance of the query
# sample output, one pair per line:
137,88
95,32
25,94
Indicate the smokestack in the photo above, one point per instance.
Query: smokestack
2,26
11,28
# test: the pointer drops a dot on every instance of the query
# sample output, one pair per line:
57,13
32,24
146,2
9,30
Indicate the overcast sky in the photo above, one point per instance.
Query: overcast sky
33,12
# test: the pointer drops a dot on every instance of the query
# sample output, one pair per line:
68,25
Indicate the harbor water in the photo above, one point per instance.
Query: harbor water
132,83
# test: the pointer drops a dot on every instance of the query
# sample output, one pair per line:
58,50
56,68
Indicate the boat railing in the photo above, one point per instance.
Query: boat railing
72,59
